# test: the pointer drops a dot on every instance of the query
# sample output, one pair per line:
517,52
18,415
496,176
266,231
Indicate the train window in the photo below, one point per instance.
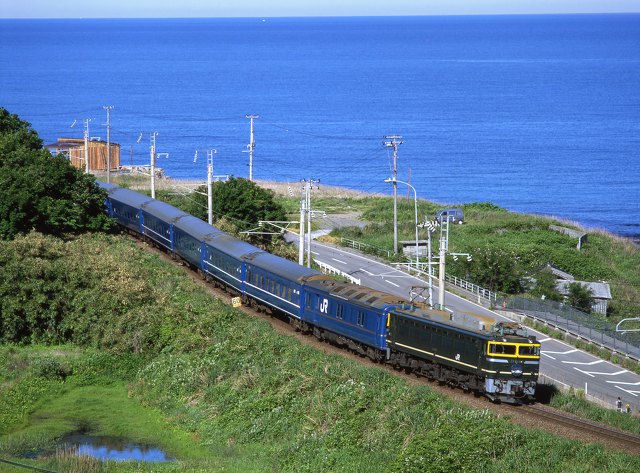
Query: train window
361,318
502,349
340,311
308,301
289,298
529,350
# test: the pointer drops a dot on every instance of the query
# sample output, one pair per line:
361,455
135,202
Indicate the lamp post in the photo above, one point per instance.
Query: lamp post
415,202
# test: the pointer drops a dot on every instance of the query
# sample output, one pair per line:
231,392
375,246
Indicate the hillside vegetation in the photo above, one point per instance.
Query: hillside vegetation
155,359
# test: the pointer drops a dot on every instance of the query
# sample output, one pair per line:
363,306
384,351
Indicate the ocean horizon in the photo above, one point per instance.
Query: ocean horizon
535,113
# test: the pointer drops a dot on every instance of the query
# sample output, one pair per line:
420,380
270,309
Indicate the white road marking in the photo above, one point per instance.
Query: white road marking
626,384
561,352
548,356
633,393
392,283
584,363
338,261
366,272
593,373
545,340
315,253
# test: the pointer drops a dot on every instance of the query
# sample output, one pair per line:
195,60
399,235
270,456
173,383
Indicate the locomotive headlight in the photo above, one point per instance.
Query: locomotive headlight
516,369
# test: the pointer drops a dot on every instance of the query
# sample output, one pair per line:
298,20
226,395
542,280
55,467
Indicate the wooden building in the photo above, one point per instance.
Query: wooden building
73,149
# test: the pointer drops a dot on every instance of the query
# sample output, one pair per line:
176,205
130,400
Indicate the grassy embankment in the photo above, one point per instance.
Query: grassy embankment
119,342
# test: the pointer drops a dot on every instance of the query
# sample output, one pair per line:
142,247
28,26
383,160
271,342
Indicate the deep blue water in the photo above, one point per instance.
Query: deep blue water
535,113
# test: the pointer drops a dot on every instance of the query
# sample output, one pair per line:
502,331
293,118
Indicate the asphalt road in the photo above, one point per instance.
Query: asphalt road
560,362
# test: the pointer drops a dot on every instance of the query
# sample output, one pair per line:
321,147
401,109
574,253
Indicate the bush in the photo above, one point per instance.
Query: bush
43,192
580,297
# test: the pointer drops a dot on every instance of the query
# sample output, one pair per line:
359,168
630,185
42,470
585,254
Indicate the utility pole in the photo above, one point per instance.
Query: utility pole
305,210
210,154
86,145
394,143
310,183
153,164
251,145
108,109
444,247
431,227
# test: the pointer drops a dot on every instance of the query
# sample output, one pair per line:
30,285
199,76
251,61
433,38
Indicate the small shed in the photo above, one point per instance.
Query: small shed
601,293
73,149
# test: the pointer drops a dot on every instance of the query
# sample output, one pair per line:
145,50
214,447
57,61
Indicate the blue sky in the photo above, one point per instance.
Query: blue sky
275,8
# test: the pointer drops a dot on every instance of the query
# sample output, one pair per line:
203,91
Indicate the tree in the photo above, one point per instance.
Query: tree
496,269
546,286
238,205
580,297
40,191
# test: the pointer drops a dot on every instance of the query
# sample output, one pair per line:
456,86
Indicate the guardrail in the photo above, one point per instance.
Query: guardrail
365,247
326,268
486,294
490,296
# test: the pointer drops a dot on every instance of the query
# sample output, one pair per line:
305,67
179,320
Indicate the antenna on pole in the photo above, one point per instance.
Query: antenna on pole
251,145
395,141
108,109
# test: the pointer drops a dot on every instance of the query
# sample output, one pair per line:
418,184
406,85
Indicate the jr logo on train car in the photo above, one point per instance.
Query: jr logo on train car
324,306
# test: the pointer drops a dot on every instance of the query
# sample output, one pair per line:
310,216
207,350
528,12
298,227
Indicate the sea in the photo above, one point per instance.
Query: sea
535,113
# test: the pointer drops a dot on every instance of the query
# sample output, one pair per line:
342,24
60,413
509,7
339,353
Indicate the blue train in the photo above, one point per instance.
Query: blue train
501,363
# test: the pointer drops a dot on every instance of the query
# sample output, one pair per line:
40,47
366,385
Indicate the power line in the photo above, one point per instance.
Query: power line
315,135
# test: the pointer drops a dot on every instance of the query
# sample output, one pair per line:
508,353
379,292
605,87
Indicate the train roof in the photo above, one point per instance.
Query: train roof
106,186
124,196
197,228
163,211
280,266
356,294
504,331
231,245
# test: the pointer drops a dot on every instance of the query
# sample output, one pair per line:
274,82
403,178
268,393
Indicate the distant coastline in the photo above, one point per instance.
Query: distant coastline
288,188
533,113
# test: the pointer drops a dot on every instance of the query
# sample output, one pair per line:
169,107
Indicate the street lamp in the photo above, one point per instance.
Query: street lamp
415,201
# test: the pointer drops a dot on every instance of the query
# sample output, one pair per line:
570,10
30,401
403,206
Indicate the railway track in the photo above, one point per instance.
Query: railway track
549,419
626,441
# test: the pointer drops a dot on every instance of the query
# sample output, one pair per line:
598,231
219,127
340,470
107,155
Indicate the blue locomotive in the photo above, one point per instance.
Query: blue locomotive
501,363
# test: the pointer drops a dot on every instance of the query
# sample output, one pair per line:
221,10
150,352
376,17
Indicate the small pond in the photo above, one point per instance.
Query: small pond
107,448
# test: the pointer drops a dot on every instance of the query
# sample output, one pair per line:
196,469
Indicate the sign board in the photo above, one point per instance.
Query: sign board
236,302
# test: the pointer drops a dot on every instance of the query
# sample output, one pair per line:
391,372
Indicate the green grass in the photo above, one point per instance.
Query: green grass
221,390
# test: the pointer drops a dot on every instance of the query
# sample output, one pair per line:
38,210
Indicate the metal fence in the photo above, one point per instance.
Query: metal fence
576,323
